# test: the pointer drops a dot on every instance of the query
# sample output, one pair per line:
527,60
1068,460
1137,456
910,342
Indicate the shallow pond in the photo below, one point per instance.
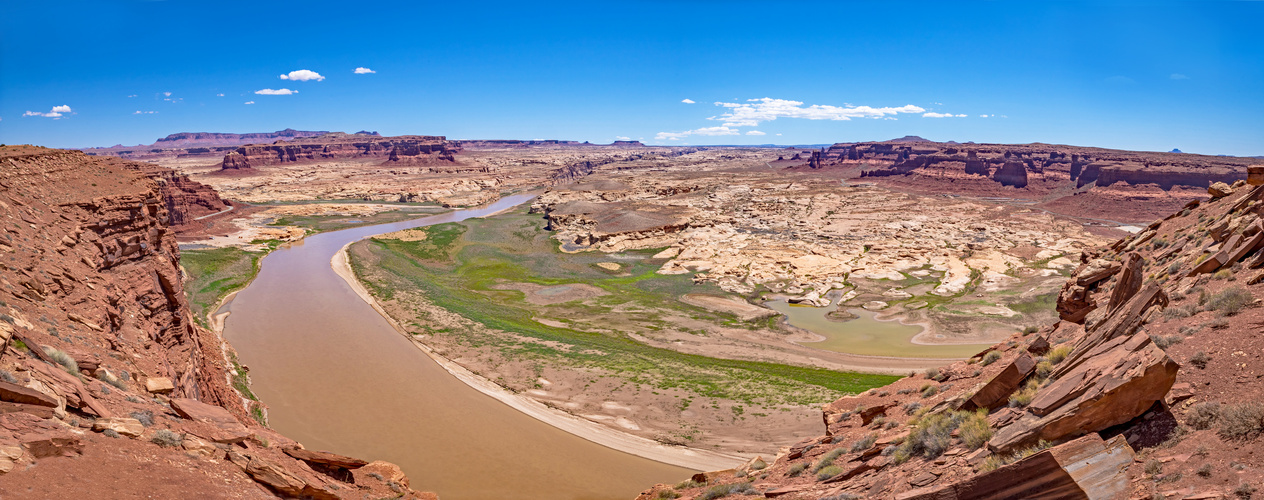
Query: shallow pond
866,335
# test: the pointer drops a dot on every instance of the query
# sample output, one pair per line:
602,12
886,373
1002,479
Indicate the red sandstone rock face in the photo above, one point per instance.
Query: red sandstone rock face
92,274
404,150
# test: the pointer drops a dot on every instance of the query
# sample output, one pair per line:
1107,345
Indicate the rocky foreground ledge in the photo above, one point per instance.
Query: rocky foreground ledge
107,386
1148,387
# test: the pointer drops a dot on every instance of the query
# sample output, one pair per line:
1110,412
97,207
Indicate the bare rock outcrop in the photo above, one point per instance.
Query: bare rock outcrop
400,150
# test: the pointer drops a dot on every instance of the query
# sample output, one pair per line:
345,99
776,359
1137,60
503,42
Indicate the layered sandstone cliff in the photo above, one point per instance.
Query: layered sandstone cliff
1147,388
401,150
107,386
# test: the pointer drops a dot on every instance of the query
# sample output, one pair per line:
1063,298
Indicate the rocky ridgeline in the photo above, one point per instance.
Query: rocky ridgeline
106,384
1148,387
401,150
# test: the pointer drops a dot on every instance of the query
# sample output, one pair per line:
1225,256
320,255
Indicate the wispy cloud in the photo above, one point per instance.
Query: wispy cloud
219,95
622,138
56,113
302,75
249,102
687,101
139,112
166,94
708,131
133,95
754,111
754,132
1178,76
941,115
276,92
363,71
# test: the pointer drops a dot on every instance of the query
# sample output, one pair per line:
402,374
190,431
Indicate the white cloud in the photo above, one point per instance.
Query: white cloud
1178,76
363,71
249,102
302,75
219,95
138,112
622,138
709,131
687,101
754,132
778,134
754,111
276,92
983,116
133,95
56,113
166,94
942,115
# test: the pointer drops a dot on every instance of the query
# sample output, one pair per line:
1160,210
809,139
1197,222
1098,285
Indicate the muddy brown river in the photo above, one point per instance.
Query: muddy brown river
337,377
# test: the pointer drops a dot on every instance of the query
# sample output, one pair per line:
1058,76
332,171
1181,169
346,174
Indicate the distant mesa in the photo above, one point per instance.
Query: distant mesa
1176,151
401,150
909,138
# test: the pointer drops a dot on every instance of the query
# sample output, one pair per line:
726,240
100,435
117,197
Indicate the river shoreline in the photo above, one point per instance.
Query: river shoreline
696,459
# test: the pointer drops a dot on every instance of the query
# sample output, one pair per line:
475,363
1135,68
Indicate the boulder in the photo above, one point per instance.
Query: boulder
1255,175
14,393
1219,190
1129,281
159,385
1096,270
275,477
996,392
230,429
200,447
9,456
391,472
57,444
1088,467
1113,383
129,427
1075,302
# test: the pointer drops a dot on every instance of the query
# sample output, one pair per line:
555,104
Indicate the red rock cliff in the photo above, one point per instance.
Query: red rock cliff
408,149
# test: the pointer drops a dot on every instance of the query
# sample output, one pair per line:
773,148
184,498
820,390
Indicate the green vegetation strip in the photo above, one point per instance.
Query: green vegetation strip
458,263
215,273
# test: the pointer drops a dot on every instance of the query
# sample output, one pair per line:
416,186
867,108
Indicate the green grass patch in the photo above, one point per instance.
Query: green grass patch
214,274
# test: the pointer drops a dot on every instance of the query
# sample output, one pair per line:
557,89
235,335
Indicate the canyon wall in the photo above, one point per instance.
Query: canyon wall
401,150
107,385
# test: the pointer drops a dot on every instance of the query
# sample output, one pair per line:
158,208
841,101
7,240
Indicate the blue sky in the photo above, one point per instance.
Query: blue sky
1131,75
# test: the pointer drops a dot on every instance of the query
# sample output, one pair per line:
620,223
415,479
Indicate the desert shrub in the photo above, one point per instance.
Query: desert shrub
797,469
1177,312
911,407
667,494
929,390
1244,491
1217,323
1241,421
1165,341
906,390
1059,353
841,496
828,472
110,433
166,438
994,462
65,360
1030,330
879,422
145,417
1202,415
1230,301
758,464
104,377
864,443
931,437
828,459
1173,267
1200,360
1222,274
1154,467
974,430
990,357
723,490
1024,396
1189,330
935,374
683,485
1205,470
1043,369
8,377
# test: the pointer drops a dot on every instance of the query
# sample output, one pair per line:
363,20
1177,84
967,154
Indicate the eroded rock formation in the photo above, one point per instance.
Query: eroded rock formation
103,372
401,150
